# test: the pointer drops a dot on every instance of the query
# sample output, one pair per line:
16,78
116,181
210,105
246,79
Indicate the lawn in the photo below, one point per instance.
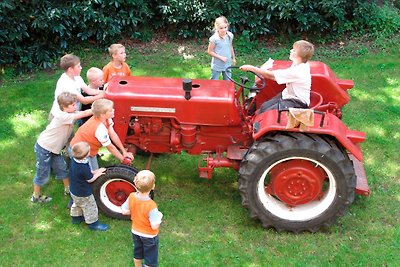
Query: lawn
204,223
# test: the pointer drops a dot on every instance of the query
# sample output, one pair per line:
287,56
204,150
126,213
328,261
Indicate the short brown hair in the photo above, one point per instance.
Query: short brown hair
113,49
80,150
65,99
144,181
101,106
68,61
305,49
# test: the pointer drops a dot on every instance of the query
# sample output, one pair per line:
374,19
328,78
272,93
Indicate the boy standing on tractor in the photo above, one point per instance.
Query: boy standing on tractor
146,220
297,79
84,207
50,143
98,131
117,66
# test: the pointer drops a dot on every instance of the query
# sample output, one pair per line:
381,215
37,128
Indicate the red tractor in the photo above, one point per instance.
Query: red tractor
293,179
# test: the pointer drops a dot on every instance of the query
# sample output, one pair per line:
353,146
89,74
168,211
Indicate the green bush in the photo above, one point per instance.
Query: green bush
36,33
40,31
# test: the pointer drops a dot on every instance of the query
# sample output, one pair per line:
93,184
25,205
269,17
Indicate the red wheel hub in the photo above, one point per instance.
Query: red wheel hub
118,191
296,182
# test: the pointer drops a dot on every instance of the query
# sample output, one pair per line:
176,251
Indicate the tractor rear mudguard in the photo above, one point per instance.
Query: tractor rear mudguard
324,124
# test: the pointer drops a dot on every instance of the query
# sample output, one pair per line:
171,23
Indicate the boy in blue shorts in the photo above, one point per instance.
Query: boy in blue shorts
146,220
50,143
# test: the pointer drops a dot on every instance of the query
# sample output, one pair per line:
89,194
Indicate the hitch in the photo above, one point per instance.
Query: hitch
217,162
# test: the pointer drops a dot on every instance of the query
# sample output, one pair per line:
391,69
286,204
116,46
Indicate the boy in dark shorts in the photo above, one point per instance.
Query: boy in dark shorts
146,220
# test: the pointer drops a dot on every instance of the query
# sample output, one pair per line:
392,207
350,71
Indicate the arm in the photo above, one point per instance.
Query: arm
115,152
96,174
90,99
90,91
155,217
211,52
265,73
106,72
82,114
233,56
125,207
115,139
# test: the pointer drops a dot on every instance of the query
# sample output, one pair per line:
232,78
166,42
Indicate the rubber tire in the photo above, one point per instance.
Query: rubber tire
119,172
321,150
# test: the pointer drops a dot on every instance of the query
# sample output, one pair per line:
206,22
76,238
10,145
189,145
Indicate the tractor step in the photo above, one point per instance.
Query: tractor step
362,187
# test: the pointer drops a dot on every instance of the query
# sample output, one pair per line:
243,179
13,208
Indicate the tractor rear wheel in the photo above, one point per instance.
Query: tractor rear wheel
296,182
113,188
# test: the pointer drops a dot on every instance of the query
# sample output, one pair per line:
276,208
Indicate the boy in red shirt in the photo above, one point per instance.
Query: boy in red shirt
146,220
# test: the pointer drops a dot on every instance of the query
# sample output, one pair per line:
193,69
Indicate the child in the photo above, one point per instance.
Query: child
50,143
220,49
71,81
297,79
84,207
146,220
95,79
117,65
98,131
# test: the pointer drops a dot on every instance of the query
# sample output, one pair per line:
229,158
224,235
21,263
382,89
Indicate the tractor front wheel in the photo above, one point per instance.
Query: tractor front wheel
113,188
296,182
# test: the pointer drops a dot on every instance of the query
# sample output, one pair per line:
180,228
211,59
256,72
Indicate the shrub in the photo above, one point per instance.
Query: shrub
36,33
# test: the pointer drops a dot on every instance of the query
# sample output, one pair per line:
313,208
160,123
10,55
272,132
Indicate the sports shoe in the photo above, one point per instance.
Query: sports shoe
98,226
41,199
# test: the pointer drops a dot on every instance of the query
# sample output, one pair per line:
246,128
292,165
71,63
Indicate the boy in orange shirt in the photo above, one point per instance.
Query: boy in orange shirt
146,220
98,131
117,65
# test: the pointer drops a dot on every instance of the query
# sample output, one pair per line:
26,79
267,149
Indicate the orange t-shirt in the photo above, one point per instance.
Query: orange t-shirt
87,133
110,71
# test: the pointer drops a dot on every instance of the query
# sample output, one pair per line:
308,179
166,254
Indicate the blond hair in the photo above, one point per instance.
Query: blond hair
144,181
94,73
113,49
101,106
65,99
69,61
219,21
304,49
80,150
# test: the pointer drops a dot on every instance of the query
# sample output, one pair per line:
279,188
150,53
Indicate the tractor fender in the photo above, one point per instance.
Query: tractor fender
324,124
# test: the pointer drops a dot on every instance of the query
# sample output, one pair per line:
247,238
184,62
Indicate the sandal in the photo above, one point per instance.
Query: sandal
41,199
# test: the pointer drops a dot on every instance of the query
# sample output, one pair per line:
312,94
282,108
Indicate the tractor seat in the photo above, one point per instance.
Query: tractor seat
315,100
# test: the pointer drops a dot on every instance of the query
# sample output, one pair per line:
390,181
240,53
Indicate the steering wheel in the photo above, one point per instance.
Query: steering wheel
237,74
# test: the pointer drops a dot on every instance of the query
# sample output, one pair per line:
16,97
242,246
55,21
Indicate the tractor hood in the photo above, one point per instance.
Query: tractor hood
208,102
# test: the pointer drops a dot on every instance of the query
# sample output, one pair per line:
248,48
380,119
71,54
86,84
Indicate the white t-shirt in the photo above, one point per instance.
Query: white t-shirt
57,133
66,84
298,81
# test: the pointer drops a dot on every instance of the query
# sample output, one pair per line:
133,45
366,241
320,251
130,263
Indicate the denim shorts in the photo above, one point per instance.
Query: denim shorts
146,248
47,161
216,73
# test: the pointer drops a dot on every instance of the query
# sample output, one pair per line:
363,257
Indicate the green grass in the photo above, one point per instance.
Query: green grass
204,223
